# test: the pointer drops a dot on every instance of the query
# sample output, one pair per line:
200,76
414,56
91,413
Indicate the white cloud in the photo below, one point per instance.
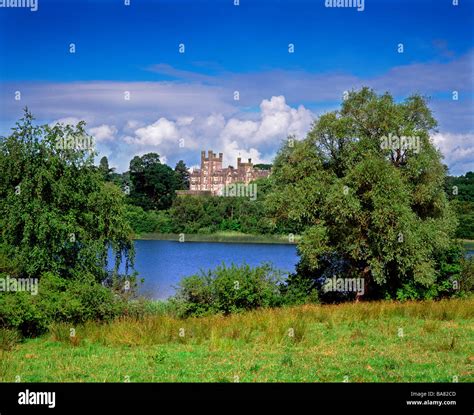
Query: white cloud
256,139
182,121
458,150
132,125
155,134
236,129
277,121
103,132
232,151
201,110
66,121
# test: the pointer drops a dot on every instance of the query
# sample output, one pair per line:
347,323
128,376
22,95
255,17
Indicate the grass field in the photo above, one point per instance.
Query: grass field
363,342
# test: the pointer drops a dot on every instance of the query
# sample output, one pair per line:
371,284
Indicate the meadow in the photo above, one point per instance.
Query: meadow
428,341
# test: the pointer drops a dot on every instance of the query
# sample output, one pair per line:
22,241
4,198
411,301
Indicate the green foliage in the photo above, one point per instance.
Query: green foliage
465,211
149,221
9,338
208,214
262,166
229,290
191,214
299,290
182,173
448,278
153,183
464,187
461,191
58,219
466,276
164,223
122,181
56,212
74,301
105,170
368,210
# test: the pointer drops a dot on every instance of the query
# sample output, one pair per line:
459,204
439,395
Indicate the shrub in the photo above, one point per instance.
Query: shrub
140,220
228,290
300,290
72,301
164,224
449,265
466,279
8,339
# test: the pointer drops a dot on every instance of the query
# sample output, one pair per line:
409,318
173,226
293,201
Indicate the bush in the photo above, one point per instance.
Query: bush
209,214
164,224
8,339
300,290
229,290
466,279
141,221
72,301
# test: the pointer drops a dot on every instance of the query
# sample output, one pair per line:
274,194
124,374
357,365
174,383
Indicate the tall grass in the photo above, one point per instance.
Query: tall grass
265,326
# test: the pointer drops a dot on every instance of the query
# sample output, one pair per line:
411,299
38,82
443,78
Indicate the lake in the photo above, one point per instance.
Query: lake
164,263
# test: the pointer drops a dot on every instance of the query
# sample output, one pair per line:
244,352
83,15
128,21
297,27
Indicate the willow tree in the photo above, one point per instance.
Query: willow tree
366,185
56,212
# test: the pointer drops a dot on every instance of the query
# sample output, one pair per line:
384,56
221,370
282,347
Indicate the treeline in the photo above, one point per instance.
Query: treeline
153,206
461,192
210,214
384,217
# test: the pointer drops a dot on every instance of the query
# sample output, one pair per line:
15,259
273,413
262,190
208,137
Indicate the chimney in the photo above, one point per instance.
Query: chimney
238,161
221,155
203,155
210,154
250,161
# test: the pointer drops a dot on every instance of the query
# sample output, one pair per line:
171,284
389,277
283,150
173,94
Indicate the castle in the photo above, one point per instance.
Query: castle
212,177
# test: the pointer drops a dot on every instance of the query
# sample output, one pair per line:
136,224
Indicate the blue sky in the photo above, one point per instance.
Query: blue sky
182,102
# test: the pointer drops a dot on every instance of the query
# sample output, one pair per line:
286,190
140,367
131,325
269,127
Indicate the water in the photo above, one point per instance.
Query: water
164,263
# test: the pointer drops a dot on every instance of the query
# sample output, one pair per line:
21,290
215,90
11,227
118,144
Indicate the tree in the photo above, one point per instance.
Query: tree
104,169
262,166
366,188
183,175
56,212
461,191
153,184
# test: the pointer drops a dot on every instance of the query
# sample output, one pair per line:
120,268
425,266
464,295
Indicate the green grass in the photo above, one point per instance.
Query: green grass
300,344
223,236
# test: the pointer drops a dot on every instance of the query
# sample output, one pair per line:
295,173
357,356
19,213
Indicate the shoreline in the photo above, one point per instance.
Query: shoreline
220,237
468,244
237,237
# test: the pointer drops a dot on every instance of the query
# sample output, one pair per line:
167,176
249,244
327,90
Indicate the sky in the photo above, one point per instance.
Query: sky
179,76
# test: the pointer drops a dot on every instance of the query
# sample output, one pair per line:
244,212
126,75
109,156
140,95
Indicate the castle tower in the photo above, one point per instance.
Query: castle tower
212,177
